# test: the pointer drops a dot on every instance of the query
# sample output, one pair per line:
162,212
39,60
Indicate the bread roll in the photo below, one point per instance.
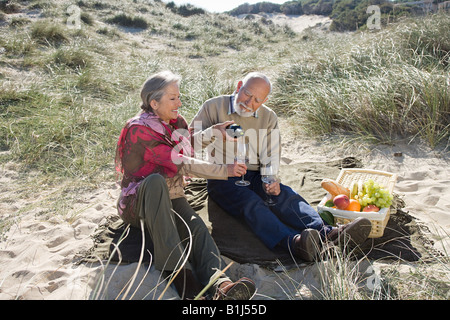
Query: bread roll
334,188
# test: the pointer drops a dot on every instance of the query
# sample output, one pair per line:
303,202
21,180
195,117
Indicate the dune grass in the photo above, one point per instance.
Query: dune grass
337,274
379,86
66,93
83,84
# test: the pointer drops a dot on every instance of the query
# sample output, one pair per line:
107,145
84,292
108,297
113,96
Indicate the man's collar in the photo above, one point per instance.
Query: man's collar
231,109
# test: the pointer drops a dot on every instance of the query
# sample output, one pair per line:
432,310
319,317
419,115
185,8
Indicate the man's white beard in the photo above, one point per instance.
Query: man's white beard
240,111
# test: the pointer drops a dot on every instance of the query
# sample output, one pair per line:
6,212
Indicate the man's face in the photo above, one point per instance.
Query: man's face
251,96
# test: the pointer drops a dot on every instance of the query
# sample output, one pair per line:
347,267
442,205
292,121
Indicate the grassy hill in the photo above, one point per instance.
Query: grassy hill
70,76
71,72
66,91
347,15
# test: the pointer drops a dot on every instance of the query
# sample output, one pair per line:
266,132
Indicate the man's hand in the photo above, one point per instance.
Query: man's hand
222,128
236,169
272,189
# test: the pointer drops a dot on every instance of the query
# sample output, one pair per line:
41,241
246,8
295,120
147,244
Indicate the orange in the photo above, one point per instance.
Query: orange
354,205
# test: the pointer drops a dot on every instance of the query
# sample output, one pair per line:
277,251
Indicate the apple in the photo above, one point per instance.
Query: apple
341,201
371,208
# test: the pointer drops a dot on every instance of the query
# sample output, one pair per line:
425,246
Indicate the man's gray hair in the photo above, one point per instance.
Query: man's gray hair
258,75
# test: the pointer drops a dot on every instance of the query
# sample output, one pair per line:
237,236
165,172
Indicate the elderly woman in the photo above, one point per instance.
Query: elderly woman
154,153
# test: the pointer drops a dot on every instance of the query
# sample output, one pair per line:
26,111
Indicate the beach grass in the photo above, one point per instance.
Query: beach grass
66,92
342,273
378,86
339,273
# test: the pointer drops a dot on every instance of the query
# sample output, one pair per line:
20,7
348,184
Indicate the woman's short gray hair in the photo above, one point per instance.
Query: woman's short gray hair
154,87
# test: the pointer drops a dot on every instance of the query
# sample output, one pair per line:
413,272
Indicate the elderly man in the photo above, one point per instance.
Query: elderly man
291,223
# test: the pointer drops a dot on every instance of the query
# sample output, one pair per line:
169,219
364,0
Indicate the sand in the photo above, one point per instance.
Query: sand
301,23
38,255
297,23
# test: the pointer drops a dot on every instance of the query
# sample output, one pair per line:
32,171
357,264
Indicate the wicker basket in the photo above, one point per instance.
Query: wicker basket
378,219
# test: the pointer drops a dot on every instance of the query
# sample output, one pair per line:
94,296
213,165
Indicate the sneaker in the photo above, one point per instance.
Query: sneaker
306,245
353,233
243,289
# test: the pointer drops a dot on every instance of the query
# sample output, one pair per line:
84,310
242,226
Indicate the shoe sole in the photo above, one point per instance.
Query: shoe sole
242,290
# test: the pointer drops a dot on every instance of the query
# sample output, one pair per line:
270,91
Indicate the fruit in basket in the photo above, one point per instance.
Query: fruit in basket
334,188
354,205
373,193
353,190
371,208
341,201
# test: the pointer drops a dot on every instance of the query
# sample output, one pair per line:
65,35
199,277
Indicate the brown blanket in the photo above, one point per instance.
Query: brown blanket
403,237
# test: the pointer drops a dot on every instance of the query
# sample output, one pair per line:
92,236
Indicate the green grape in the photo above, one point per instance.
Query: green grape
374,193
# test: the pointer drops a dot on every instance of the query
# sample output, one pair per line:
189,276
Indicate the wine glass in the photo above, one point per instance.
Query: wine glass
268,176
241,157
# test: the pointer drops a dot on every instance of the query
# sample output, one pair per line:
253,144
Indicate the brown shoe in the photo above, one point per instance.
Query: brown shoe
243,289
353,233
307,245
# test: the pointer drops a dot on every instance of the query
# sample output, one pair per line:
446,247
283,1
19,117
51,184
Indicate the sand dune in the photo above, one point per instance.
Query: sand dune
301,23
39,252
297,23
38,256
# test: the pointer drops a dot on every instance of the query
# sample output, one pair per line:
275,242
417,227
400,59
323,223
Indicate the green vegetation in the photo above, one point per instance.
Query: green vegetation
66,92
185,10
347,15
126,21
390,84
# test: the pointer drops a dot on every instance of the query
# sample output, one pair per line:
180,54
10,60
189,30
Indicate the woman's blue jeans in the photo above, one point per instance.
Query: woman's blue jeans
290,216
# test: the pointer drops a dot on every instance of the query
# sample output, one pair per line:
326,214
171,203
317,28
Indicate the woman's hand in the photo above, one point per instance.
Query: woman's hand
272,189
222,127
236,169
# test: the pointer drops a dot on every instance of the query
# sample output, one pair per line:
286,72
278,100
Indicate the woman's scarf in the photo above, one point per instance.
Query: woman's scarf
147,145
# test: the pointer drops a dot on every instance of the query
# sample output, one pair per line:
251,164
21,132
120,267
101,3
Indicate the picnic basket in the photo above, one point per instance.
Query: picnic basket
378,219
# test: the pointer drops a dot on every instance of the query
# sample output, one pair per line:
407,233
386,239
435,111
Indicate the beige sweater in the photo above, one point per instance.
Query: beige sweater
261,132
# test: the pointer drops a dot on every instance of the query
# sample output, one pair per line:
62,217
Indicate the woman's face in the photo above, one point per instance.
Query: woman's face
167,108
